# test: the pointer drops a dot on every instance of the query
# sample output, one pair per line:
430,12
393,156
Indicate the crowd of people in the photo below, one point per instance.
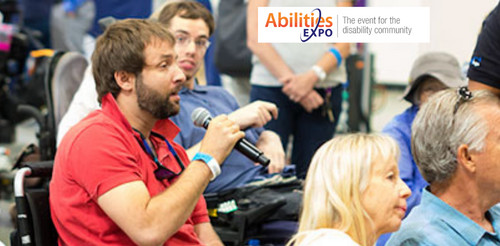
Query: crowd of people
131,168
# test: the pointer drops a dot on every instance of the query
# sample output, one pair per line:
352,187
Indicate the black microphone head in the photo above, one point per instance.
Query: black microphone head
201,117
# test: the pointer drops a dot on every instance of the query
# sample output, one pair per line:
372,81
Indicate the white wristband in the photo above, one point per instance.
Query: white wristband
211,163
319,72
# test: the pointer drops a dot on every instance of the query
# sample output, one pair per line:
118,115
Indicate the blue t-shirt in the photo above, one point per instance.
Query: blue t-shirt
237,169
434,222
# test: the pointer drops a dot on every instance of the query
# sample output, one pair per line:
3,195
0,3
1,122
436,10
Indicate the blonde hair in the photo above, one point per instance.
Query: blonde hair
337,177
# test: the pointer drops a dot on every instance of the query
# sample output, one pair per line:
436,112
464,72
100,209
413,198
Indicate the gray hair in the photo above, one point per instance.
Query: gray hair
437,131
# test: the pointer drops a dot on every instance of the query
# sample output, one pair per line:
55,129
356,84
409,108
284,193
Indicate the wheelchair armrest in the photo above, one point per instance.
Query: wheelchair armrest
212,200
40,168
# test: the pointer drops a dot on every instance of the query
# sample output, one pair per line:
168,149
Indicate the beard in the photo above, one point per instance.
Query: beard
153,102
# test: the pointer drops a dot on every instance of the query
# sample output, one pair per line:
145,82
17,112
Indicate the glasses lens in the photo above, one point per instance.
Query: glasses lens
162,173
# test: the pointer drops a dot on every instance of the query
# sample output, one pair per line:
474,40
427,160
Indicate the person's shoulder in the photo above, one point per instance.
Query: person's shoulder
217,90
95,120
421,237
412,233
96,127
421,227
93,141
410,241
397,129
222,95
495,211
325,237
403,119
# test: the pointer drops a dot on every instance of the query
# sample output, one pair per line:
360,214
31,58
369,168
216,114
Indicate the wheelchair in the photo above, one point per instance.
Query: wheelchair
35,227
34,224
62,74
267,213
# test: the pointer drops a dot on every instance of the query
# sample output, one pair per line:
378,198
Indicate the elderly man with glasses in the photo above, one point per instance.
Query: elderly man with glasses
456,146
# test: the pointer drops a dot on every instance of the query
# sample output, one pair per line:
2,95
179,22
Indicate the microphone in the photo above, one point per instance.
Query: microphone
201,117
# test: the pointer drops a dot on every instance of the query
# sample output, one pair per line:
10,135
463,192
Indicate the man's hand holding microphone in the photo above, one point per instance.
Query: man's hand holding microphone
221,136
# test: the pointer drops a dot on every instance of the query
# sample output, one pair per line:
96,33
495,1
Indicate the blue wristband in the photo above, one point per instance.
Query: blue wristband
210,161
337,55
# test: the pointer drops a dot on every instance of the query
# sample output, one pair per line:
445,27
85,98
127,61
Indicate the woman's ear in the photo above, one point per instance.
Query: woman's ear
125,80
464,158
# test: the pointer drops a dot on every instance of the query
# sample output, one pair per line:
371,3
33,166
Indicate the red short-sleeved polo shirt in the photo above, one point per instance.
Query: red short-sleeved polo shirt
100,153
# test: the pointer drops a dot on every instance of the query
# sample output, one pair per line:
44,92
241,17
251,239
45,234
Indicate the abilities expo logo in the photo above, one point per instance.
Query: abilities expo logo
312,24
343,24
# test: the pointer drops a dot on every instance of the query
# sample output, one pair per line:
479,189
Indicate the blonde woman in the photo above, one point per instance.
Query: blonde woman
353,192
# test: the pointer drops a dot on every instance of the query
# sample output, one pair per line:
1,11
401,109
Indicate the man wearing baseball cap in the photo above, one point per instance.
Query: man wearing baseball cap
484,68
431,72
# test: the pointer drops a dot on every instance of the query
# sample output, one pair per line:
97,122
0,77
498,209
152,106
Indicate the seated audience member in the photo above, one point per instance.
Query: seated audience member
85,99
352,192
118,178
431,72
484,67
455,145
192,25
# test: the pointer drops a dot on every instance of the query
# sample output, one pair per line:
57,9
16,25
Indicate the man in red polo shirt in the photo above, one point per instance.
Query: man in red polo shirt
119,179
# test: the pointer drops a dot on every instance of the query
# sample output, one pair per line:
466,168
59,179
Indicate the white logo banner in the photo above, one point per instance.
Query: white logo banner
347,25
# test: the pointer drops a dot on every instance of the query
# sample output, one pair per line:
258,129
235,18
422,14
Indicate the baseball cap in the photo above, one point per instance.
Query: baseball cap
485,62
439,65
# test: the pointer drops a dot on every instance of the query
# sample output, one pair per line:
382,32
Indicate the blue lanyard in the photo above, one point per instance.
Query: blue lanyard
150,152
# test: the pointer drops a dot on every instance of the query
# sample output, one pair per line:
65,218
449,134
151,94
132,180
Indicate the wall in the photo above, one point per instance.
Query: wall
454,29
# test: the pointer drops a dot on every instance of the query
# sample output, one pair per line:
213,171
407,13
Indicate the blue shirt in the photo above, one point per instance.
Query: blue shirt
434,222
399,128
35,9
237,169
120,9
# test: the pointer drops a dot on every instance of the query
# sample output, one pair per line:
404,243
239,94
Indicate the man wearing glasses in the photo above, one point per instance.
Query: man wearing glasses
455,145
192,24
119,179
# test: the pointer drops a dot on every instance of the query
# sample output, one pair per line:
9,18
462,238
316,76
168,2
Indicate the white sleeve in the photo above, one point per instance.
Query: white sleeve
84,101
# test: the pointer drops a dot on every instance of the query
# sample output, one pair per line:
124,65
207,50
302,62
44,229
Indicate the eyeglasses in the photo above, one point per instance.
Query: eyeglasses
464,94
161,171
184,40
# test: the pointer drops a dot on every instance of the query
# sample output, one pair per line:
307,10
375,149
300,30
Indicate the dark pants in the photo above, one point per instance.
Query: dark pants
309,130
